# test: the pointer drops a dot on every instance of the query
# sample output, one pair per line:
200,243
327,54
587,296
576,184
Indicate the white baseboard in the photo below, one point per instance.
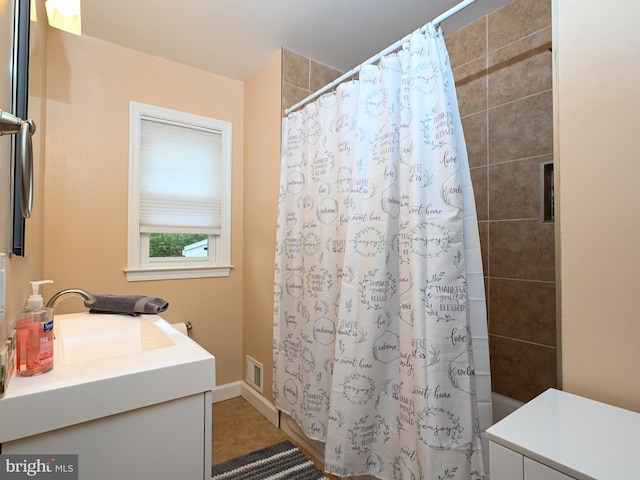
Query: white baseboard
264,406
257,401
227,391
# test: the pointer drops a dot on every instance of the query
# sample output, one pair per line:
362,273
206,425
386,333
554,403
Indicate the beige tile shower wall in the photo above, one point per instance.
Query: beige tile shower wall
502,67
302,76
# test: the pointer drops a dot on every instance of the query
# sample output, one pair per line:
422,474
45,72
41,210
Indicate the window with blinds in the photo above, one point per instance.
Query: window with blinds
179,194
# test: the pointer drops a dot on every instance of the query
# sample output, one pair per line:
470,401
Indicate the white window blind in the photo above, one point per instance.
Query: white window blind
180,178
179,183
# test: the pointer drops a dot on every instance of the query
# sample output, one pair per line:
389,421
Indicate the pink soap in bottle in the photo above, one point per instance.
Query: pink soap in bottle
34,336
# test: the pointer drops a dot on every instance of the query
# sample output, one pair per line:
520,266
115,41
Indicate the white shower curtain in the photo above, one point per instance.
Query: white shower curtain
379,286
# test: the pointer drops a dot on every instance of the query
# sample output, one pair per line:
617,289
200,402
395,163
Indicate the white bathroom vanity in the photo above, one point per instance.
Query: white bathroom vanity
131,396
560,436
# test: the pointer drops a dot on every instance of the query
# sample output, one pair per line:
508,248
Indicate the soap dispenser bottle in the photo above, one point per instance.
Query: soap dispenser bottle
34,336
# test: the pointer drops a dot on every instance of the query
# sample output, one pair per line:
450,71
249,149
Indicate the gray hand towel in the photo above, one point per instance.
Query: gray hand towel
127,304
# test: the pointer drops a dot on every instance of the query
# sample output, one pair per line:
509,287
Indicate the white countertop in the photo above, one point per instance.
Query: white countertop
582,438
83,391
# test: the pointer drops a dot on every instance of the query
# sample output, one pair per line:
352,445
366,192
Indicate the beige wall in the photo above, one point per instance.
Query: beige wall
261,187
597,73
90,84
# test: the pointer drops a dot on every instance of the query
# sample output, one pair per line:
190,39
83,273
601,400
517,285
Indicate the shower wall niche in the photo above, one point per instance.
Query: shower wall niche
502,68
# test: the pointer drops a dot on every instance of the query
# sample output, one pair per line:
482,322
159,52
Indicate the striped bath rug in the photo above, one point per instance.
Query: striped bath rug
281,461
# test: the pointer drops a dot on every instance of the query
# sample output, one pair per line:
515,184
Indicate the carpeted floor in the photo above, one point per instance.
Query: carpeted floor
239,429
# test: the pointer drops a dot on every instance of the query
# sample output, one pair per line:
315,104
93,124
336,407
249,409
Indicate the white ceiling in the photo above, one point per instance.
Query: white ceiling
234,38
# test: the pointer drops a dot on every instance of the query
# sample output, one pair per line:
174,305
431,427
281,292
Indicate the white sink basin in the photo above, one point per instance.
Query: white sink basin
99,336
105,365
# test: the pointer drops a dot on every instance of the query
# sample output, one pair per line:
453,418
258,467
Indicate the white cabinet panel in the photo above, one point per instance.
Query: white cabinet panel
574,437
537,471
170,440
504,464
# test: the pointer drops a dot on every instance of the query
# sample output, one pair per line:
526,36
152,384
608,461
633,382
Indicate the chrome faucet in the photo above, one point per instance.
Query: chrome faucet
61,295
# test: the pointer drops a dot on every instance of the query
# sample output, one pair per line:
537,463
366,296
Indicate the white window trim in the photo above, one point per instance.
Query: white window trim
220,266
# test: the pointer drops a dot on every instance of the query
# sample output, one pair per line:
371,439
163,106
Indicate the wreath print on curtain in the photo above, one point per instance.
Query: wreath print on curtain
373,350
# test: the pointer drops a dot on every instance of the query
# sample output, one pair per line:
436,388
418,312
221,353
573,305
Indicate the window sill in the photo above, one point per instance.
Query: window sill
175,273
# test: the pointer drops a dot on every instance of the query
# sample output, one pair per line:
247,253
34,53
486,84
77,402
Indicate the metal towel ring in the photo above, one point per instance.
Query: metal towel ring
9,125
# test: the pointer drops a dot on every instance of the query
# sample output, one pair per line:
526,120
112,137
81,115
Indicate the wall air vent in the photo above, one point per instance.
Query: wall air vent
254,374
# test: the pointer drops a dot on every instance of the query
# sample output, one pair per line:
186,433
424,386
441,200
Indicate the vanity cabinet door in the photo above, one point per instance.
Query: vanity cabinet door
505,464
170,440
537,471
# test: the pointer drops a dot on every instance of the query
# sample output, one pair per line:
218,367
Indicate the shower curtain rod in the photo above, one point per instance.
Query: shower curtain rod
378,56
